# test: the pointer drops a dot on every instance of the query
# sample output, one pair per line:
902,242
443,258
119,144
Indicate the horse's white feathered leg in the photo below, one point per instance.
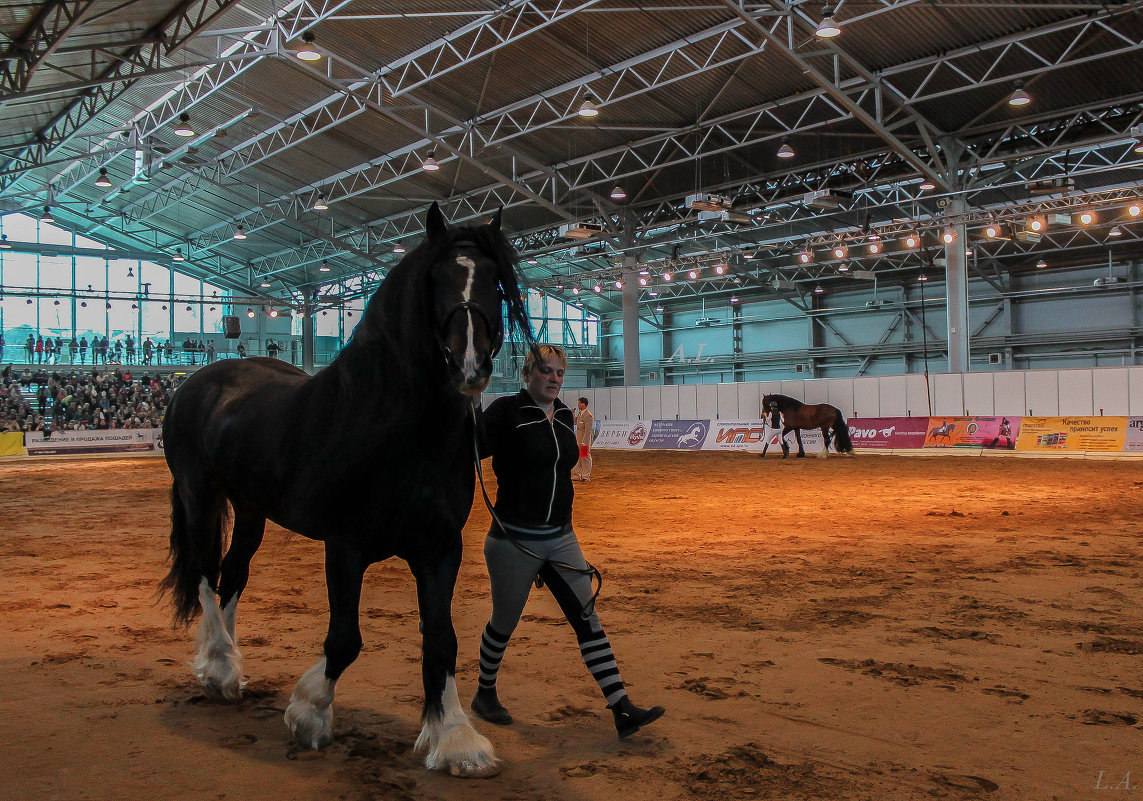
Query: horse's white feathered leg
218,663
453,744
310,713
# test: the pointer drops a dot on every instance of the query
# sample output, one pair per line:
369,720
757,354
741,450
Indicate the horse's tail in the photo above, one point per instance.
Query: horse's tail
841,434
195,551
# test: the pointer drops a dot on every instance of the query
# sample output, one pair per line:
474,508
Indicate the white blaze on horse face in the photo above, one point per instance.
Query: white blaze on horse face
453,745
470,365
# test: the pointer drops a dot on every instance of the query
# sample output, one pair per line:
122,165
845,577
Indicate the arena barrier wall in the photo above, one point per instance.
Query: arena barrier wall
120,440
933,435
12,443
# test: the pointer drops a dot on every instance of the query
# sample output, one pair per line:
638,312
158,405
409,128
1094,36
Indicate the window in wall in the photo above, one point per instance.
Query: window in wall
156,312
187,323
20,318
562,323
123,281
90,306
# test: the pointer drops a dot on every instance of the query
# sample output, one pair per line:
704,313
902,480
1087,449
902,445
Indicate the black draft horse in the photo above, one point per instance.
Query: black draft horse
373,456
795,415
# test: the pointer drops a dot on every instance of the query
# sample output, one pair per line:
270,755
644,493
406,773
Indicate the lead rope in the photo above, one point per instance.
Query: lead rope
591,570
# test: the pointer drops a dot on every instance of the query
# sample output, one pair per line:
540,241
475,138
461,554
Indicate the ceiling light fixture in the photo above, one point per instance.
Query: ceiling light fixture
1138,145
265,284
874,248
130,272
659,309
320,204
47,217
1036,224
720,269
184,128
597,289
178,255
1087,217
818,289
734,298
324,268
1019,97
912,240
928,184
588,108
249,312
806,256
922,278
948,236
273,312
1134,210
4,243
693,274
103,182
575,290
398,248
1041,264
785,151
992,231
1115,231
308,51
827,28
239,233
430,164
668,277
618,194
840,252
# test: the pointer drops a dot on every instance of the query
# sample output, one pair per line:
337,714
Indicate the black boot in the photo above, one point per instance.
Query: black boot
630,718
487,706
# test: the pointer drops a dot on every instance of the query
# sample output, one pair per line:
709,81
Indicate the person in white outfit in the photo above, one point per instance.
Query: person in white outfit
584,431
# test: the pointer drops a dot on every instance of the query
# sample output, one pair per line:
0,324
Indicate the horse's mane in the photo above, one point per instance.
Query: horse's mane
785,400
394,347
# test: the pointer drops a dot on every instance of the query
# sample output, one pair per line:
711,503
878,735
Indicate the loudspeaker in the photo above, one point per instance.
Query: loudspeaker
231,327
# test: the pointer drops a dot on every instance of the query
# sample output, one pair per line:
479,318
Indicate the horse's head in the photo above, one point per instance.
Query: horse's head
471,274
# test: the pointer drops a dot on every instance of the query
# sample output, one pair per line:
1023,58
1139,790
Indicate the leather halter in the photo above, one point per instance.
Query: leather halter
467,305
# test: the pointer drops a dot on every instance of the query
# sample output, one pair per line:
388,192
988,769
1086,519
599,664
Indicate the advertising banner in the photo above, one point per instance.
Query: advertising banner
1097,434
740,435
884,433
122,440
621,434
1133,441
678,434
973,432
12,443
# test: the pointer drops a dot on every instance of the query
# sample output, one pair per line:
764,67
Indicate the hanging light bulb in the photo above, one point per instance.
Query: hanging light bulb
47,217
1087,217
618,194
239,233
184,128
178,255
928,184
785,151
874,248
533,261
430,163
265,284
922,278
320,204
588,108
668,276
912,240
659,309
1134,210
189,307
1115,231
130,272
840,252
103,182
324,268
827,28
843,268
4,243
1019,97
398,248
734,298
806,256
308,51
1138,145
818,289
1041,264
948,236
249,312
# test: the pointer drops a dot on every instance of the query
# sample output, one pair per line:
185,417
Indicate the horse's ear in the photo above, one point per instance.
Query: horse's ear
435,225
495,223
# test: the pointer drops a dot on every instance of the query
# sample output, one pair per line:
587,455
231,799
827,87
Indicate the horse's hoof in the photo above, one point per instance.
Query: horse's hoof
312,728
471,769
801,456
222,693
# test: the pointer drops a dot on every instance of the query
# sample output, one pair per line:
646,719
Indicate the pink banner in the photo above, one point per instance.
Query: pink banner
884,433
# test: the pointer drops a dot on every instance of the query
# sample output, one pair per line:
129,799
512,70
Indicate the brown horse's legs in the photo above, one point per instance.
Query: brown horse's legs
801,447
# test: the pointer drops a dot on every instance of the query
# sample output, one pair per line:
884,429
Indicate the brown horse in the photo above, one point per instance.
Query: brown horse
796,415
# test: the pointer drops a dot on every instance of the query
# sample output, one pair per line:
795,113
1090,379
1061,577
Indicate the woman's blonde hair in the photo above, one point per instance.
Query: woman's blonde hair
540,353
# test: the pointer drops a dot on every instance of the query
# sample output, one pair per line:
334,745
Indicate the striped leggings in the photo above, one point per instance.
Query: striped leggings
512,574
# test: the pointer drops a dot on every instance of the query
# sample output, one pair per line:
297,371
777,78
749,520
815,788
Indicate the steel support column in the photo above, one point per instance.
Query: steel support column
956,284
630,322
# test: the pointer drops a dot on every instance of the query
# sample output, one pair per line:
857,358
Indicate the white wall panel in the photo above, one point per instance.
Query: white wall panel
1042,393
619,403
1109,390
1008,393
840,394
866,397
1075,392
795,389
817,391
602,402
727,401
707,401
948,394
749,401
1135,390
979,399
891,396
917,397
688,401
635,403
652,403
669,401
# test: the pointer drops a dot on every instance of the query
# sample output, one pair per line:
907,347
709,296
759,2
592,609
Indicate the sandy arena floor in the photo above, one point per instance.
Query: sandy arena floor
931,628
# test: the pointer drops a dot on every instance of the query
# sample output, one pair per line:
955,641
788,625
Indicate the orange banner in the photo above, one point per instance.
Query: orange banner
1099,434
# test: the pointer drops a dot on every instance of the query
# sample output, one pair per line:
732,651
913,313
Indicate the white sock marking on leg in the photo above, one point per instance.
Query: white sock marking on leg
218,663
310,713
453,745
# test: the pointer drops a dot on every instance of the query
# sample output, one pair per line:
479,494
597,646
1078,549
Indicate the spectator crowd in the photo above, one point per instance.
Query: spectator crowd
77,401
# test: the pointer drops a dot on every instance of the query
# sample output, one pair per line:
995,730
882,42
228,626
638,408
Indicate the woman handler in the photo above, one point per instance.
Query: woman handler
531,439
